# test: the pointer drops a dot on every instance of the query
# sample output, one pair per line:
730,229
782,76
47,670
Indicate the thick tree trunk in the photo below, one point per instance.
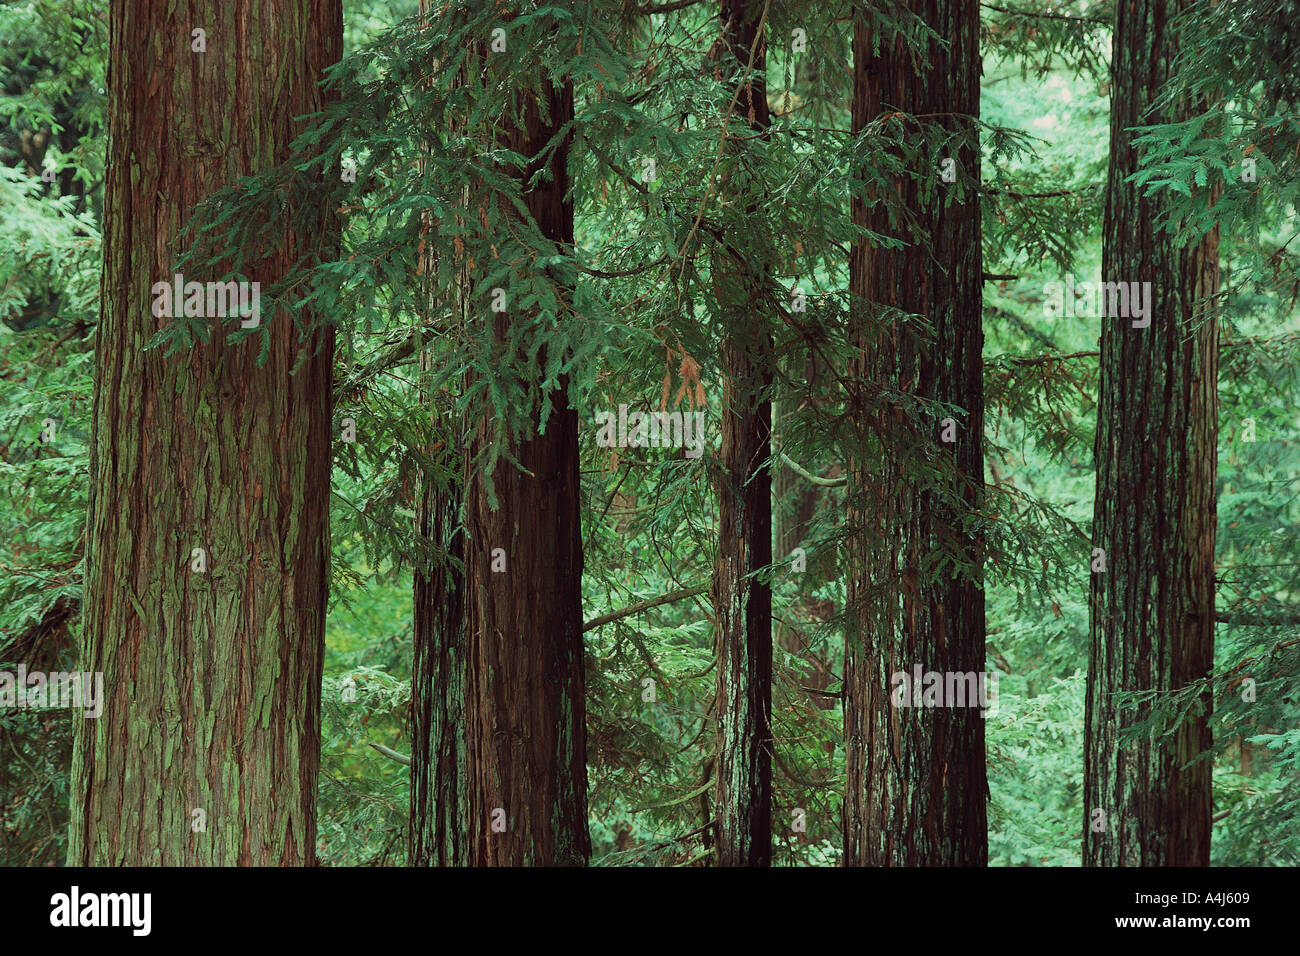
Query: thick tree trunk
742,601
208,749
1154,516
915,775
525,696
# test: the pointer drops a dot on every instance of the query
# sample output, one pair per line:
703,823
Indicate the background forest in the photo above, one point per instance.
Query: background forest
691,185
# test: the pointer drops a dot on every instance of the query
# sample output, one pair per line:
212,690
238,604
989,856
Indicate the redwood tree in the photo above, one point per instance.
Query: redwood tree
525,707
742,598
208,748
436,834
1152,627
915,776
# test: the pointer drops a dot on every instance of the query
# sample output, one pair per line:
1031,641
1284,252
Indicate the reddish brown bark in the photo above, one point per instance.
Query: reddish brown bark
915,776
525,708
742,600
213,678
1155,512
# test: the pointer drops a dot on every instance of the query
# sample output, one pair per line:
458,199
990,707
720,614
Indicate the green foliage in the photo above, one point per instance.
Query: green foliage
631,314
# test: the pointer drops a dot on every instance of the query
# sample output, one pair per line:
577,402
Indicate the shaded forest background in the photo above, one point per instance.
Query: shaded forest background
646,326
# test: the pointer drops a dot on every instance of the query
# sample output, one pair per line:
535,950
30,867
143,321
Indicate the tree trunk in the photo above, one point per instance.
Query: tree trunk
208,748
525,709
439,799
742,601
915,775
1154,516
436,835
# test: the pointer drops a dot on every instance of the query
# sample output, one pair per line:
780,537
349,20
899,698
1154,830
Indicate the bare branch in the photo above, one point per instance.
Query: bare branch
645,605
650,8
809,476
1046,16
1257,620
400,758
